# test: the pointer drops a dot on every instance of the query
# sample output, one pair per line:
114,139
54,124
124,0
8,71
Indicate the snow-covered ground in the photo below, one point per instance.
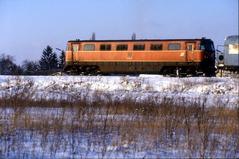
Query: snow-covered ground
69,132
40,132
213,91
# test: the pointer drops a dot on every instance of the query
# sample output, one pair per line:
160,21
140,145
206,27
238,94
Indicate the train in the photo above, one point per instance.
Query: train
173,57
228,59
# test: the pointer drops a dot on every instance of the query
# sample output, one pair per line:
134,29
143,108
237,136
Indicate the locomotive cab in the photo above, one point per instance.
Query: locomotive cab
71,50
208,63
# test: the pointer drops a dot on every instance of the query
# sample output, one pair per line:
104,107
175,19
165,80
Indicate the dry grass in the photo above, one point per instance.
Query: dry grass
104,128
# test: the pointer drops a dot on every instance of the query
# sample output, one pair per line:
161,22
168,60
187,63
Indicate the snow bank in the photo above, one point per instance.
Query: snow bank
213,91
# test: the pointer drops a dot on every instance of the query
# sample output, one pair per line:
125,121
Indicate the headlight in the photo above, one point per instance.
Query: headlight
221,57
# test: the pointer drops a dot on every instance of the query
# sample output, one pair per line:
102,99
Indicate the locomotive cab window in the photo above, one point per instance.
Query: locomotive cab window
105,47
207,46
174,46
122,47
156,47
89,47
139,47
190,47
202,47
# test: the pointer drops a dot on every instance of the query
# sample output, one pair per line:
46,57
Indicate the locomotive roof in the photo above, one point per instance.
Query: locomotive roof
137,40
233,39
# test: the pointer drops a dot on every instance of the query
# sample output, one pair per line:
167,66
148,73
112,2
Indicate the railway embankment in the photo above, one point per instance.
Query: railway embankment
214,91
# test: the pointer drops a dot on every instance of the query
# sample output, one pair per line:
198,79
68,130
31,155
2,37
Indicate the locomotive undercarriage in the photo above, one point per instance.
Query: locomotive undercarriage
106,68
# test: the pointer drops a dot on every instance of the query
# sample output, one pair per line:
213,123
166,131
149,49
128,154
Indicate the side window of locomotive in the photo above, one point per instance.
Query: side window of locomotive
156,47
139,47
202,47
105,47
75,47
233,49
208,46
122,47
89,47
174,46
190,47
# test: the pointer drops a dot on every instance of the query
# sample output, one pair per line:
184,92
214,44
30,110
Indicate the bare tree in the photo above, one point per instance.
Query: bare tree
8,67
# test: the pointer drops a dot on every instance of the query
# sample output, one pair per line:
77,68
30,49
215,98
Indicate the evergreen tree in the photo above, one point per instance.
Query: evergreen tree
30,67
62,60
48,60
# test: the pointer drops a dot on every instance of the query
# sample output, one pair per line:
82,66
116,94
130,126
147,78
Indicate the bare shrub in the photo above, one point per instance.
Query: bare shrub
18,91
77,127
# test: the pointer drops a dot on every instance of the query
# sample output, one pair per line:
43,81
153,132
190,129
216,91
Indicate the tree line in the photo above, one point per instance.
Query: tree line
48,64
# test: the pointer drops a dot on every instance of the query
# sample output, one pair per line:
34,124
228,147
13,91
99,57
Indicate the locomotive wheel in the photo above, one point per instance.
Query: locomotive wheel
90,70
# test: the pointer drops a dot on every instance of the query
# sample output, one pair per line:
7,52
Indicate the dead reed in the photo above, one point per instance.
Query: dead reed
73,127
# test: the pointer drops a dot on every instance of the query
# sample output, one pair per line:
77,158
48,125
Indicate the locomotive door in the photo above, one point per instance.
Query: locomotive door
75,49
190,52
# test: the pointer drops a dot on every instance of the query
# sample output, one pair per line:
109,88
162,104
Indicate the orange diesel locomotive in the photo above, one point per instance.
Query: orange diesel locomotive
151,56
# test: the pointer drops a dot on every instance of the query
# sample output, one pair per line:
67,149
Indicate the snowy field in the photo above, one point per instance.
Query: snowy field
71,133
146,116
214,91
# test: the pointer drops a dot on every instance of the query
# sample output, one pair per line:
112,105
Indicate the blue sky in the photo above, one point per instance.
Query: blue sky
28,26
